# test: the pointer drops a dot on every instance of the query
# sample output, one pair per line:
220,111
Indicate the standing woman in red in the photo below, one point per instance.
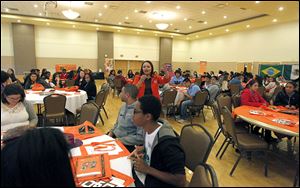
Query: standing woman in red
147,82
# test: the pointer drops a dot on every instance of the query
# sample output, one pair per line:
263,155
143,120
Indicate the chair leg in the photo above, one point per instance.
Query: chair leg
235,165
266,163
203,115
225,148
101,118
105,112
217,132
216,138
221,147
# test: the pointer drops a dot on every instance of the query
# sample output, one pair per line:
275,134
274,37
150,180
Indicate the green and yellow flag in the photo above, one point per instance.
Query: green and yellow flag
271,70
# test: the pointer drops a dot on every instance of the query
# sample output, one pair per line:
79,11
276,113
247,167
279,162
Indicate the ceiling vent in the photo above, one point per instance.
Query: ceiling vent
142,11
89,3
200,21
113,6
242,8
220,5
12,9
127,23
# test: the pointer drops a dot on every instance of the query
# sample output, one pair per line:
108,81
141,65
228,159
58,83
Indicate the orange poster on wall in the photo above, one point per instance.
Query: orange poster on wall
68,67
203,65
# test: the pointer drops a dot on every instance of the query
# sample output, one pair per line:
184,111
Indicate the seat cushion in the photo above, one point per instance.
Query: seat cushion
200,178
251,142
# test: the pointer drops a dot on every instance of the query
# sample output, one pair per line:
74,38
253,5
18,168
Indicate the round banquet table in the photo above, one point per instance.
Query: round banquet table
74,99
266,117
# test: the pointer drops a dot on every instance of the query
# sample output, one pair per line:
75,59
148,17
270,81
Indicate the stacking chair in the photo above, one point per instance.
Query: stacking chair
224,100
89,112
245,143
118,86
55,108
236,100
204,176
199,101
197,144
276,91
106,90
100,97
168,100
234,89
70,83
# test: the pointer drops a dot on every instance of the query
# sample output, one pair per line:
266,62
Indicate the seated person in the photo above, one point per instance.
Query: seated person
31,81
177,79
15,111
237,80
89,86
42,159
64,75
122,78
270,88
80,79
160,162
213,88
45,80
11,72
280,79
124,128
5,80
251,97
191,92
288,97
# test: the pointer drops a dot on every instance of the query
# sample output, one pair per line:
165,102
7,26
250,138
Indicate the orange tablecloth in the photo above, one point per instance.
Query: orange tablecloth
265,120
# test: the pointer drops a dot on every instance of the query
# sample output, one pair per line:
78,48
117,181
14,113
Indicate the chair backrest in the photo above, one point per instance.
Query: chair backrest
106,90
234,89
169,97
100,97
224,100
204,176
198,81
229,123
197,144
261,90
55,104
200,98
118,83
236,100
70,83
217,113
89,112
276,91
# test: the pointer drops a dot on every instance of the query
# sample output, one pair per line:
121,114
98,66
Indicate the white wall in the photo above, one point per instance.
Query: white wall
6,40
274,43
146,48
65,43
181,50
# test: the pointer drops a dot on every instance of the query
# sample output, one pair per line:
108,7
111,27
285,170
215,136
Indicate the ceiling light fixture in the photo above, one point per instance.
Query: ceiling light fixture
48,23
70,14
126,18
247,26
205,22
225,17
40,14
190,27
99,14
148,2
274,20
203,12
73,26
210,33
280,8
135,11
6,10
257,2
35,6
185,19
19,21
162,26
227,30
178,7
105,6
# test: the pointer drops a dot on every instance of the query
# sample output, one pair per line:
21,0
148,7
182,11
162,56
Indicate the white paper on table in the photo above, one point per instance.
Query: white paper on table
122,164
101,138
75,152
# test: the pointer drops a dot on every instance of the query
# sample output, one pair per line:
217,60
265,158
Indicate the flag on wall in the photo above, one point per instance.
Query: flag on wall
271,70
295,72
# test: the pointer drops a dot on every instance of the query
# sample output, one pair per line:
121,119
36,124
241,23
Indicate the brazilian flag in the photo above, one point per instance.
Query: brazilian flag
271,70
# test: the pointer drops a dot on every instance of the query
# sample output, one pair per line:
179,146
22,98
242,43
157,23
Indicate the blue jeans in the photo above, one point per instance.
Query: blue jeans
183,109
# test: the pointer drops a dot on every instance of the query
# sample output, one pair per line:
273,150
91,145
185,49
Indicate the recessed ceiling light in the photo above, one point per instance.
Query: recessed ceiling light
120,23
190,27
257,2
178,7
96,20
247,26
135,10
187,38
172,36
280,8
225,17
148,2
150,21
99,14
119,30
138,32
197,36
105,6
227,30
177,30
6,10
185,19
141,25
40,14
74,26
48,23
171,24
97,28
19,21
35,6
126,18
210,34
203,12
155,34
205,22
274,20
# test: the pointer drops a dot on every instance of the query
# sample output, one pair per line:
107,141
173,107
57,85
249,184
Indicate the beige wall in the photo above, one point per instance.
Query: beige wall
7,62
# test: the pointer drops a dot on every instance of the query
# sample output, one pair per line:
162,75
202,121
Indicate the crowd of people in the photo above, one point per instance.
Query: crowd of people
157,156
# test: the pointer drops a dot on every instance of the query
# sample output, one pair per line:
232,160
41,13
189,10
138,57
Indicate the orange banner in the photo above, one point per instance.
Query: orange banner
68,67
202,67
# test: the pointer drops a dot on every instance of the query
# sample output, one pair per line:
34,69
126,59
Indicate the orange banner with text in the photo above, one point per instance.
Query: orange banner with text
68,67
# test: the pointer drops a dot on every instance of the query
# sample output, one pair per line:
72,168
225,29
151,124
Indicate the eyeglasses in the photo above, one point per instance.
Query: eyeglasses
137,111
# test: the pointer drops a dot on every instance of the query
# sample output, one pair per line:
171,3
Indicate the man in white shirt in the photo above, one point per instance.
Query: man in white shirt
160,162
